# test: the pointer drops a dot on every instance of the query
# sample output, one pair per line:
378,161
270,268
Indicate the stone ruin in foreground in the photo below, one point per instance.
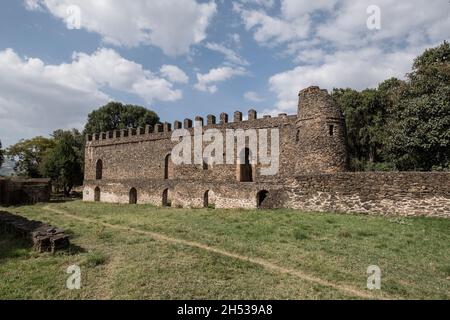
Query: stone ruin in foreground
43,237
135,166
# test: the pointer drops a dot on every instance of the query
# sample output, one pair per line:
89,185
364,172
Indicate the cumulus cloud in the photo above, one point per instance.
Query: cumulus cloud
36,97
252,96
174,74
361,69
229,54
208,82
333,47
172,25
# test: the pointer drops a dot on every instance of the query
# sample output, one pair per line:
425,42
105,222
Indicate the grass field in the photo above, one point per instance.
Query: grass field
144,252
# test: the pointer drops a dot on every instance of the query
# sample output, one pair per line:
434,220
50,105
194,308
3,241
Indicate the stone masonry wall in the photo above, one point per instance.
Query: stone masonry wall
390,193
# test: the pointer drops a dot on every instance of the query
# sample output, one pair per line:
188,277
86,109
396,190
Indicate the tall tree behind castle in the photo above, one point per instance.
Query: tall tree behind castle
402,125
115,115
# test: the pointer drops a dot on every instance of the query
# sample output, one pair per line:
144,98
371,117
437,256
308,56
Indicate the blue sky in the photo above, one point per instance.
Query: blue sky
59,60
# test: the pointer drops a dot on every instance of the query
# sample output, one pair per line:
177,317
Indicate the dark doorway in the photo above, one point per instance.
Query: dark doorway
99,170
206,199
166,202
245,168
133,196
261,198
97,194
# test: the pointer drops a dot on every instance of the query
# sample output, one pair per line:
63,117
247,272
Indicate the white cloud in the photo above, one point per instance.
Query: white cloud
252,96
358,70
333,47
174,74
36,97
229,54
208,81
172,25
270,30
264,3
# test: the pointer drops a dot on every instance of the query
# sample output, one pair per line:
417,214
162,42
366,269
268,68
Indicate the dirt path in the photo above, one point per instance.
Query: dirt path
266,264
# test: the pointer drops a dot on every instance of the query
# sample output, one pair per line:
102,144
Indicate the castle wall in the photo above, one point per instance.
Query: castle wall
386,193
143,155
312,169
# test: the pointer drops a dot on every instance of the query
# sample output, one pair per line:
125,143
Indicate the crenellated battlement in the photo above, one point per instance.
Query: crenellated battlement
161,130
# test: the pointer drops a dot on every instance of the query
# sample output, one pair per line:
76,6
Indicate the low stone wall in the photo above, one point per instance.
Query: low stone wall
44,237
390,193
24,191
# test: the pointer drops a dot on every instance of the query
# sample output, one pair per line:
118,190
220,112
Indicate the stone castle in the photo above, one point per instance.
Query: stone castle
135,166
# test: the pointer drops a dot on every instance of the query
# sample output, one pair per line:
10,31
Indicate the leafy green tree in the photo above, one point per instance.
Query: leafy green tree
29,154
418,131
365,116
115,115
64,163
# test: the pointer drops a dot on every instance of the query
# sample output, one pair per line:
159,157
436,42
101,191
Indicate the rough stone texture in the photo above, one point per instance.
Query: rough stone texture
386,193
312,171
24,191
44,237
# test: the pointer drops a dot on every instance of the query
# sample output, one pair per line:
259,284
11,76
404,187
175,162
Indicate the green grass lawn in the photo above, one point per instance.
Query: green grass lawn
280,254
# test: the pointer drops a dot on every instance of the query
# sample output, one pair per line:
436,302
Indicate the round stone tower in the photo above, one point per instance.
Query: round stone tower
321,135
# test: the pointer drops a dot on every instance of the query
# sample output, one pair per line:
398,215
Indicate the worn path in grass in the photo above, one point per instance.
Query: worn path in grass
261,262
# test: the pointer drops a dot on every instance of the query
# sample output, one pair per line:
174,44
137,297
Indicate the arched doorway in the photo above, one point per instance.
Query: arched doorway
245,169
168,168
133,196
97,194
166,201
206,199
99,170
261,197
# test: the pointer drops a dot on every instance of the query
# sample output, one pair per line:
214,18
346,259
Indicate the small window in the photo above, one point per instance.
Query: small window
331,130
297,136
99,170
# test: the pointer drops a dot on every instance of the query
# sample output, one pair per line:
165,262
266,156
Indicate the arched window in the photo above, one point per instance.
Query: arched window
206,199
261,196
99,170
245,173
168,167
166,202
133,196
97,194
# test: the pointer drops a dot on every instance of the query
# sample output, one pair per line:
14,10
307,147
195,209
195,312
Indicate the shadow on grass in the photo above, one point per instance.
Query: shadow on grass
13,246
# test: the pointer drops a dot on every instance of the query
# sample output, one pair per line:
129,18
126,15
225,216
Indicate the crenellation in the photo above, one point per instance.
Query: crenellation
187,123
167,127
199,121
238,116
158,128
211,119
177,125
223,118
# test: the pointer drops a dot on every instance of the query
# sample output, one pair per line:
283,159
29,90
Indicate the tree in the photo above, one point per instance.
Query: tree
115,115
29,155
365,116
418,131
64,163
2,158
